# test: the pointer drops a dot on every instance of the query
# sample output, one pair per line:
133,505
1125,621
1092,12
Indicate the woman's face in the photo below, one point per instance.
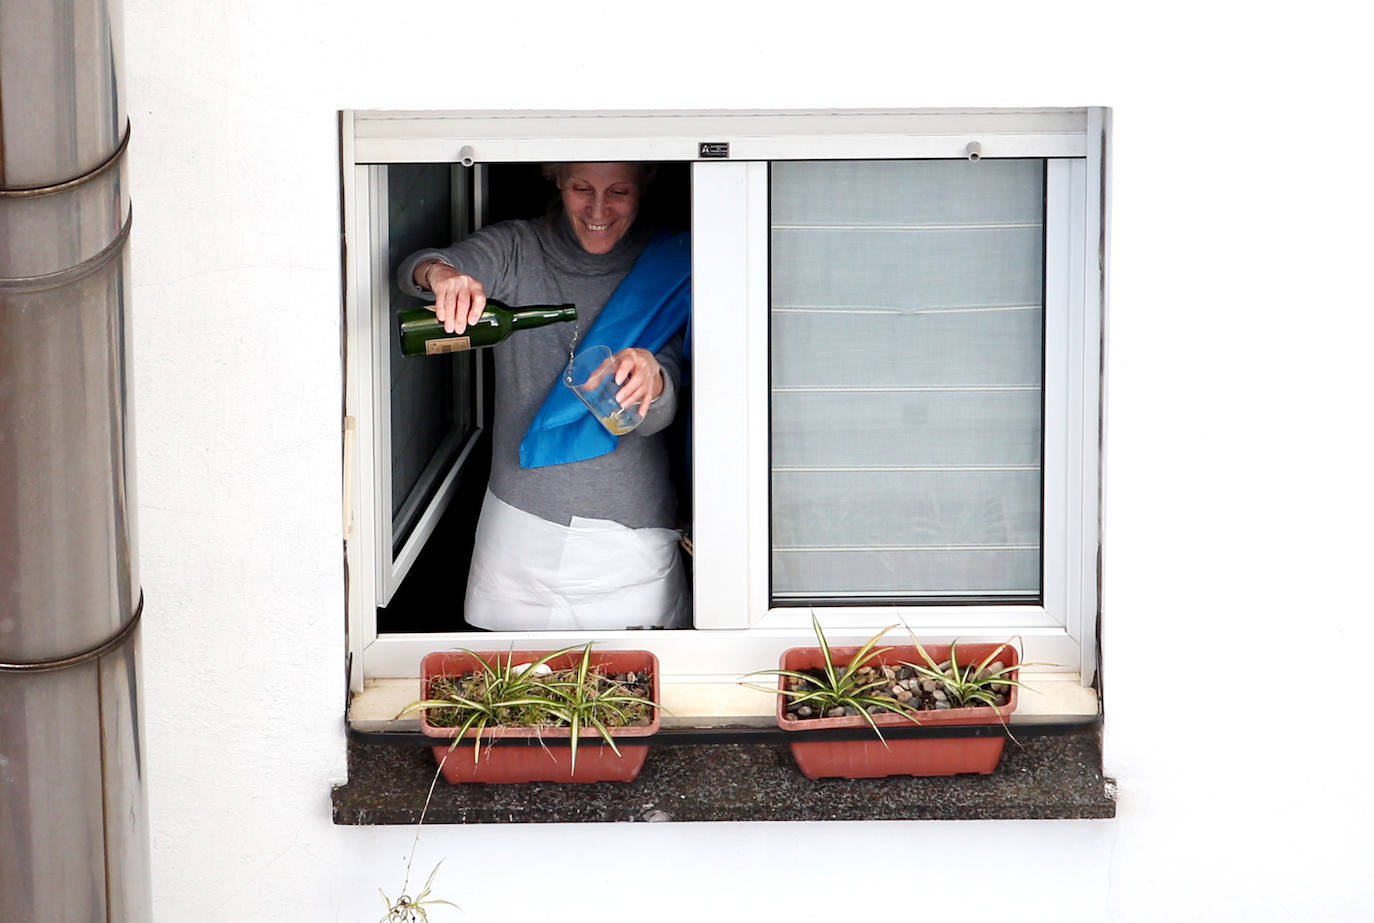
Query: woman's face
602,200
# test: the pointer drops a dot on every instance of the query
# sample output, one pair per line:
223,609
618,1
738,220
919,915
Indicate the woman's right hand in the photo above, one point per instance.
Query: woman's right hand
458,299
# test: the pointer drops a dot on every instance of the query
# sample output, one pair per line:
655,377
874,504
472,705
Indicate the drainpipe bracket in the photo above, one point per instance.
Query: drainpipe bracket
86,656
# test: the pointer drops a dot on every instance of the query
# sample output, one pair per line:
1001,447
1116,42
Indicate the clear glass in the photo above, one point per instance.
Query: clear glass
906,374
591,376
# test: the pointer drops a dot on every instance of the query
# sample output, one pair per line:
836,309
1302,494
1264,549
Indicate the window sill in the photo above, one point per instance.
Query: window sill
705,702
1056,772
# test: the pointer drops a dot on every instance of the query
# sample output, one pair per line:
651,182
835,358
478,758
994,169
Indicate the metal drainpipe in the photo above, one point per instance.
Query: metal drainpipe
73,802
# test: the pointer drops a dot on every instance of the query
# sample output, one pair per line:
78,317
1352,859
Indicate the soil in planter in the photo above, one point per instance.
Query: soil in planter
900,682
473,686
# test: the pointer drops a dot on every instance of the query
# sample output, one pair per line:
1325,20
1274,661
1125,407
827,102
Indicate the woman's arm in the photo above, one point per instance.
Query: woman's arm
657,382
640,375
458,298
460,276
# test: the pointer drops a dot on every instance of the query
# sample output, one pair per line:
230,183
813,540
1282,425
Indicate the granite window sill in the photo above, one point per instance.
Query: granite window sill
1054,772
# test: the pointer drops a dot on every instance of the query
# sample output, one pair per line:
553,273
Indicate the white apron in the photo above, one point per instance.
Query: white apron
529,574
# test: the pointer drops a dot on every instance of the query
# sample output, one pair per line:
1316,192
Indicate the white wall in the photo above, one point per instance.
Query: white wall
1237,501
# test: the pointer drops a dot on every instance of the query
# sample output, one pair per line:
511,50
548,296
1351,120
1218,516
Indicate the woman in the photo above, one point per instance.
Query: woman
587,543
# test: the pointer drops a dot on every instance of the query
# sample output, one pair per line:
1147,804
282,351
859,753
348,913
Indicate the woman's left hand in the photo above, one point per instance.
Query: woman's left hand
640,374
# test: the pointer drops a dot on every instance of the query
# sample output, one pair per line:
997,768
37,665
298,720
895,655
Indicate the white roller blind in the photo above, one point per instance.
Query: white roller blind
906,379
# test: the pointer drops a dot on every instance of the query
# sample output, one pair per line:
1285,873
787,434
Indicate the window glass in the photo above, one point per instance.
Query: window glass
432,410
905,381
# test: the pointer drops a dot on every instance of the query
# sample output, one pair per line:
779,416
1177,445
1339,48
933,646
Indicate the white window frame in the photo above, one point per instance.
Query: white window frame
736,630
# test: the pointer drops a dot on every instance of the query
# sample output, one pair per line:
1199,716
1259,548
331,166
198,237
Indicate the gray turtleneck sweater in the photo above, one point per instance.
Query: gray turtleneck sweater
541,262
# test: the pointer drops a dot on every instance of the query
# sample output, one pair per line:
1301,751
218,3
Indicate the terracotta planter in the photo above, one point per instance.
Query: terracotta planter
540,754
868,758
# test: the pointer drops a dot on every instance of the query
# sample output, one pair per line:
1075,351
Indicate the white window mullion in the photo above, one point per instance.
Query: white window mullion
730,393
1093,247
1074,385
363,547
1071,434
355,548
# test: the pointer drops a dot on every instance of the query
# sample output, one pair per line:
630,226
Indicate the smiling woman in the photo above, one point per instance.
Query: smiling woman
578,528
600,199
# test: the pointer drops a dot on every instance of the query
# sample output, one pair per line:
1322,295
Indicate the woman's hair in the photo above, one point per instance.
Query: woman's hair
554,172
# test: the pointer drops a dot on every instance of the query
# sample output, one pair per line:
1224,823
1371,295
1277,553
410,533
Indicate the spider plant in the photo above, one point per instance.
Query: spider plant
589,699
499,694
532,695
846,686
967,684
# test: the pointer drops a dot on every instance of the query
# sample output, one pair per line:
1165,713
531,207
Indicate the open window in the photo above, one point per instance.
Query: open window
424,419
895,376
419,423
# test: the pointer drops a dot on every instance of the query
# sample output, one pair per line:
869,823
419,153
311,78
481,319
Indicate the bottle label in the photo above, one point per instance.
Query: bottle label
447,345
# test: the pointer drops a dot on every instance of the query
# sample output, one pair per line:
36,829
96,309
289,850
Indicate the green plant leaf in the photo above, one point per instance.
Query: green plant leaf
990,658
427,704
842,687
574,726
605,734
869,651
825,651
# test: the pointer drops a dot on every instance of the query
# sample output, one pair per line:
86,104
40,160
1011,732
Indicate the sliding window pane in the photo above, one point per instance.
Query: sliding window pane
432,408
906,329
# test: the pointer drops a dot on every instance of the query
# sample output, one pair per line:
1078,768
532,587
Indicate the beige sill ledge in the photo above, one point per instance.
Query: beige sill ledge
723,702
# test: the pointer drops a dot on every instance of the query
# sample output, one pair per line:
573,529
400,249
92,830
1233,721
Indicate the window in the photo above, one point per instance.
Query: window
905,343
895,380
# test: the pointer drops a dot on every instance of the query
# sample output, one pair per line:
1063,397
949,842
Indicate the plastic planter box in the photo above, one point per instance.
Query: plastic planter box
540,754
916,756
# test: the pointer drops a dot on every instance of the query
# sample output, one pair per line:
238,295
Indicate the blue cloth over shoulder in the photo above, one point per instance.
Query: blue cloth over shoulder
651,304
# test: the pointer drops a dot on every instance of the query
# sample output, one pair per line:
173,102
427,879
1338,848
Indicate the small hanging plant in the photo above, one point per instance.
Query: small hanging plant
406,909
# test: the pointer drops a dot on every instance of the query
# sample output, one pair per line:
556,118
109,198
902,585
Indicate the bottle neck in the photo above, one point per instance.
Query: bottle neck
537,315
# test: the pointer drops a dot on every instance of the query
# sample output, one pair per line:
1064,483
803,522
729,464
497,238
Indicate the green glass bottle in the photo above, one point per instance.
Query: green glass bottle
423,334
